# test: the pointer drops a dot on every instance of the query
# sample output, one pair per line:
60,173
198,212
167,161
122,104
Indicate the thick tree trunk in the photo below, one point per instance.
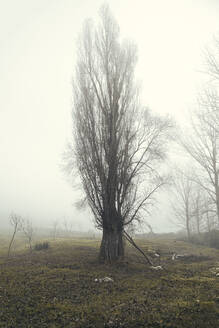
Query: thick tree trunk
112,247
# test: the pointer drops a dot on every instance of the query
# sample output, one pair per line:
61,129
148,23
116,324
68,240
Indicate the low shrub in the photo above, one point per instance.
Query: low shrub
41,246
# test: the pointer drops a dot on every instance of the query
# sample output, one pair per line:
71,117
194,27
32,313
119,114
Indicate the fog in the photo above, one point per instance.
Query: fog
38,44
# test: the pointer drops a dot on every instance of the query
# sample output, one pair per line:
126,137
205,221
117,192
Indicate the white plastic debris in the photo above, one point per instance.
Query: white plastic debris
105,279
157,255
174,256
157,268
178,256
215,271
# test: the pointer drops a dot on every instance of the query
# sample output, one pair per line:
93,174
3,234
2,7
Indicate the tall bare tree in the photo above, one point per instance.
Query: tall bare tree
211,100
202,144
118,146
212,59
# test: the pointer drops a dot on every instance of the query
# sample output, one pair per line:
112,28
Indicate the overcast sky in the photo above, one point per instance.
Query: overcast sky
37,58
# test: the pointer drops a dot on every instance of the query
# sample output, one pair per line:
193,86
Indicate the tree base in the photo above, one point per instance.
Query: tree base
112,247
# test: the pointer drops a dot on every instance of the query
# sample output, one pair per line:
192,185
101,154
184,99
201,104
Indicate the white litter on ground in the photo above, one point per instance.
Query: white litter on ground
174,256
215,271
156,268
105,279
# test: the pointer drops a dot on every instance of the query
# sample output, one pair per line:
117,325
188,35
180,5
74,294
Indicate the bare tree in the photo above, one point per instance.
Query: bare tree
151,231
54,230
28,230
198,209
118,145
16,222
182,204
209,214
68,227
202,144
192,207
212,59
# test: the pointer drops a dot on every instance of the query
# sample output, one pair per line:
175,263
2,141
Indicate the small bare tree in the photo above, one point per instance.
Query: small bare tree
28,230
68,227
16,222
54,229
182,205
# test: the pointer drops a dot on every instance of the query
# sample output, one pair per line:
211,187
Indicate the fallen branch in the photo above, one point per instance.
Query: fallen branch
131,241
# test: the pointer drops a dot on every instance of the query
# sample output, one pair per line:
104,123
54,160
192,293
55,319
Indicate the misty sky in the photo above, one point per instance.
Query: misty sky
37,58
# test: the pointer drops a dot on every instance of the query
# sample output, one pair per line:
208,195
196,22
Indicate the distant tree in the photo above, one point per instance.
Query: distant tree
212,59
149,228
28,230
182,204
198,208
68,227
16,222
118,145
202,145
209,215
54,229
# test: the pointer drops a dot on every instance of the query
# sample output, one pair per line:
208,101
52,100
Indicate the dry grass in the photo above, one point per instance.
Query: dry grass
57,288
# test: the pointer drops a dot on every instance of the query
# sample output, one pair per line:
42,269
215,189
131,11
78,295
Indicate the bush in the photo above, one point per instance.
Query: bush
41,246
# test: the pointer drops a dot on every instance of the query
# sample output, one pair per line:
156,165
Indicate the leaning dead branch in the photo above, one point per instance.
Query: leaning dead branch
131,241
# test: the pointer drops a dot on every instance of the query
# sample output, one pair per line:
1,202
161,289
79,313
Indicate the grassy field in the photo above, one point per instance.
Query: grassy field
57,288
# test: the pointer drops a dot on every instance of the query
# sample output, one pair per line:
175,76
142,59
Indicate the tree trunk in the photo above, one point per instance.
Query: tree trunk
188,228
112,247
217,199
198,224
12,238
208,222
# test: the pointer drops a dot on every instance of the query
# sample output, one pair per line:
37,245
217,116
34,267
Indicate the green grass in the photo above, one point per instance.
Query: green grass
56,288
